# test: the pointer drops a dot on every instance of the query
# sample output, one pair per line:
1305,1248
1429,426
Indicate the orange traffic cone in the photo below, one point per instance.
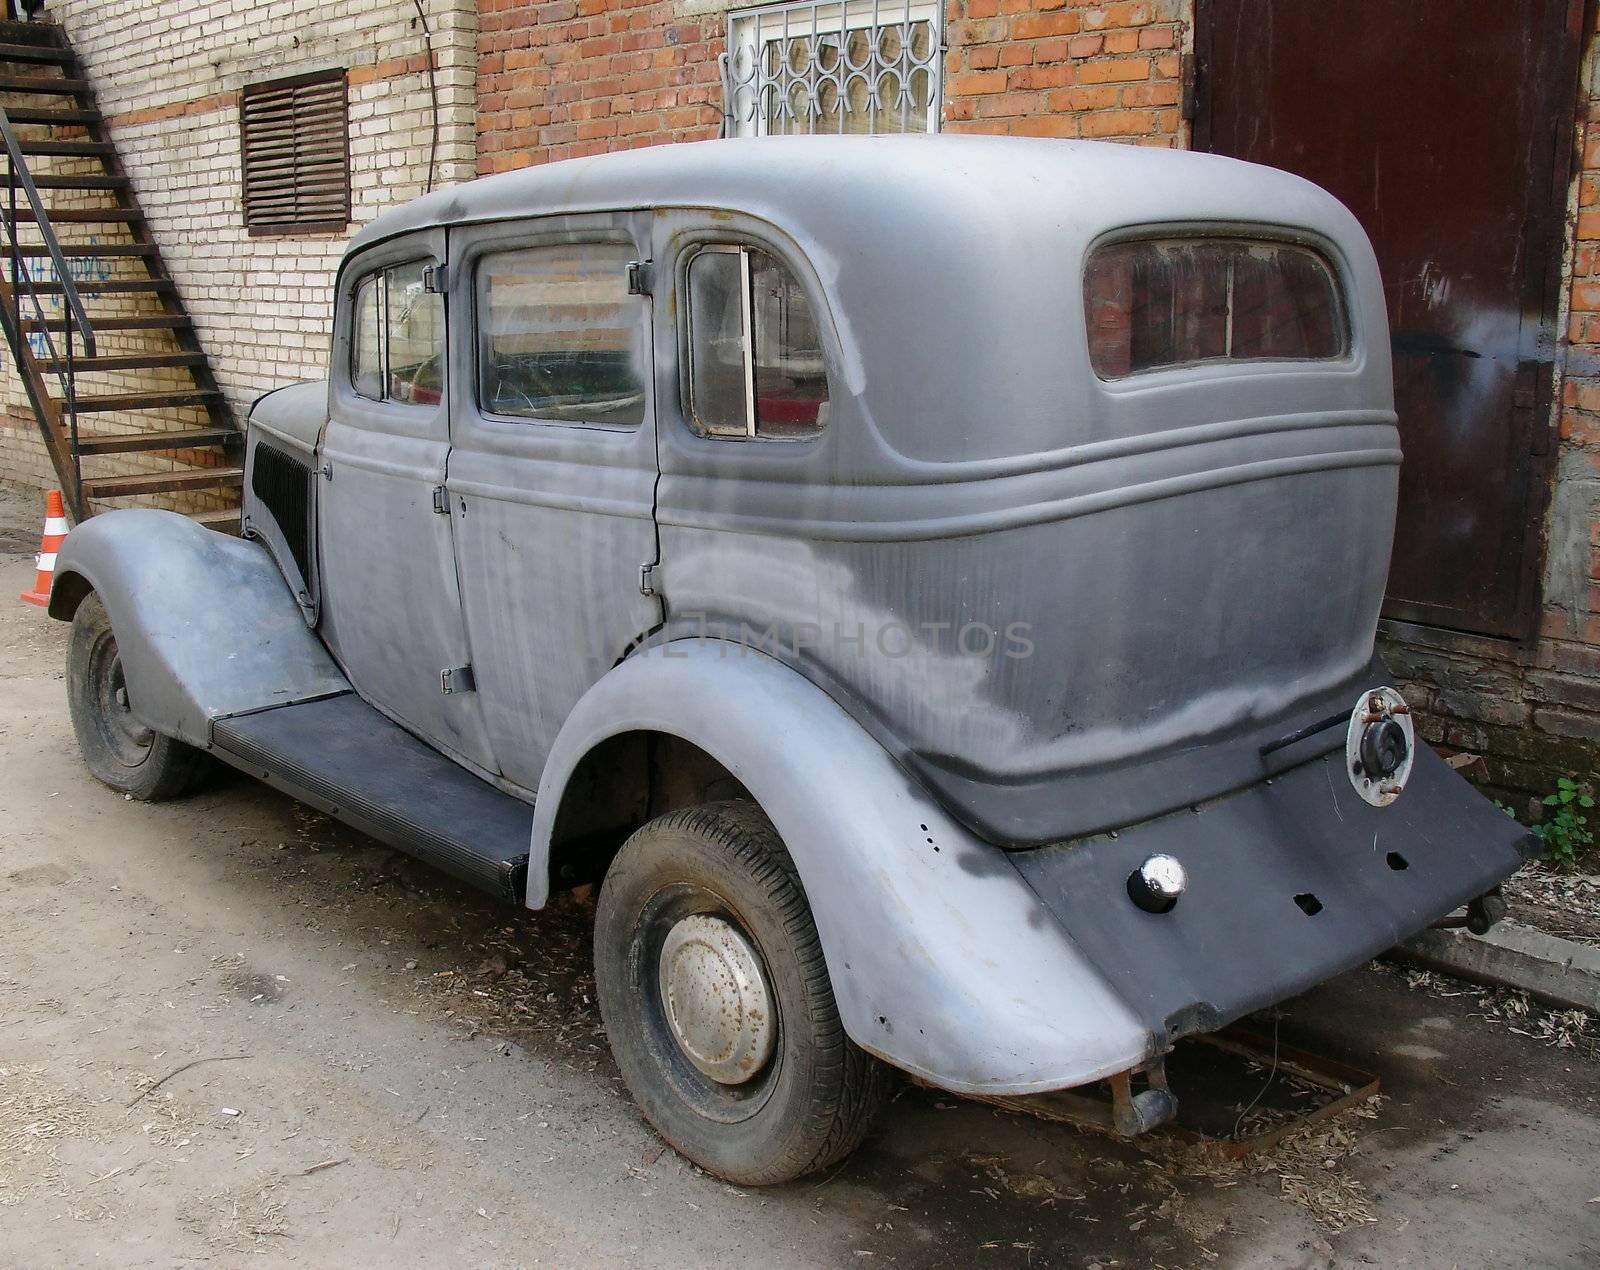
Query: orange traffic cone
55,529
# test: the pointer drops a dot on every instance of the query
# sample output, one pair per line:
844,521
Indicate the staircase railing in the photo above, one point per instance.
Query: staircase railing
74,324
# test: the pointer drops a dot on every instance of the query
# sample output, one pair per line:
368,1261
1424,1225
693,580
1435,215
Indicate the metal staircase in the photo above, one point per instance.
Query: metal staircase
108,355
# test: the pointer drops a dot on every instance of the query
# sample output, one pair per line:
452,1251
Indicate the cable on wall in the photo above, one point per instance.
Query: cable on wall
433,93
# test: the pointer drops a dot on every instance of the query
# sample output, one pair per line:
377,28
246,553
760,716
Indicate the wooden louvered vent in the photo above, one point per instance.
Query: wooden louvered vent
294,137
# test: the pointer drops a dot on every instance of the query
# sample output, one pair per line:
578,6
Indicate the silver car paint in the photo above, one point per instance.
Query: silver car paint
976,474
1199,554
289,420
391,605
942,959
205,626
552,523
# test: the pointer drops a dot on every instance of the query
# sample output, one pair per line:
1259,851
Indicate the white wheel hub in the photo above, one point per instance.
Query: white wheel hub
1379,745
717,1001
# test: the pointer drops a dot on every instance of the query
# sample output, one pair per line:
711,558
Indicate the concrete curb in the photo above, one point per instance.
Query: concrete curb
1557,971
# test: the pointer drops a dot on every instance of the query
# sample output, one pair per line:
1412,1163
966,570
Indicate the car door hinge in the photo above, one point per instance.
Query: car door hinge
441,500
647,579
639,277
434,279
459,679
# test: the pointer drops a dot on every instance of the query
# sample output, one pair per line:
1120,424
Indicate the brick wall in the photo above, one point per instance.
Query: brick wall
1050,68
168,79
574,77
563,78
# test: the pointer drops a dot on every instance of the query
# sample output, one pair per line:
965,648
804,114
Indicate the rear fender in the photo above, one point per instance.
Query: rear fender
205,623
942,959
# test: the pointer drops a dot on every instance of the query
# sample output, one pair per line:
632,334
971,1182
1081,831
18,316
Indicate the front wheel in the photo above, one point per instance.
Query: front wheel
119,750
717,1002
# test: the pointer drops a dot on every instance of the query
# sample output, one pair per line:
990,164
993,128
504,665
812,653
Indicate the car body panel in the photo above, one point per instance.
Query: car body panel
552,523
1289,882
205,626
391,603
943,961
280,506
976,477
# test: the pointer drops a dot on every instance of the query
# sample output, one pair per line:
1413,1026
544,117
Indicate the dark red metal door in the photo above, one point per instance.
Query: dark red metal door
1446,127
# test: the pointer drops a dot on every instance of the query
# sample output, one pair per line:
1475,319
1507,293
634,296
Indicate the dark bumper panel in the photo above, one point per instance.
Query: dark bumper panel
1289,883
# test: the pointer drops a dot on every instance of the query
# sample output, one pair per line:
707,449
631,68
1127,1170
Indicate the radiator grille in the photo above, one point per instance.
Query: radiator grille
283,485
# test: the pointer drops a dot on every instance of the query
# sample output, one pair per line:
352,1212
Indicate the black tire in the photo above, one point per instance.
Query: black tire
118,750
816,1097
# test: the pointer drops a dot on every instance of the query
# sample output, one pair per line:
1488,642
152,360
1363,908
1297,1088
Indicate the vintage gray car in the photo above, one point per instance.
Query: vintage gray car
929,583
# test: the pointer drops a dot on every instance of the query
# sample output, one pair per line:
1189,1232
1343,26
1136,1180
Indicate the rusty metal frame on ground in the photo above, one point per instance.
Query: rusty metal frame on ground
1350,1085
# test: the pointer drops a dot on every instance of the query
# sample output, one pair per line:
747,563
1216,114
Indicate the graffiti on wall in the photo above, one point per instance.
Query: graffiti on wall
41,270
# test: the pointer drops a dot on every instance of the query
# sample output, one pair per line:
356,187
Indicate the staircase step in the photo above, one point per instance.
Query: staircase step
47,181
141,322
140,442
224,521
51,115
93,250
47,84
129,286
33,53
21,31
30,145
163,482
82,215
146,400
137,361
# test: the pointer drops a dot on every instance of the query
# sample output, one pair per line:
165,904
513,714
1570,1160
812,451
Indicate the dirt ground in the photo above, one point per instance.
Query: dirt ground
234,1032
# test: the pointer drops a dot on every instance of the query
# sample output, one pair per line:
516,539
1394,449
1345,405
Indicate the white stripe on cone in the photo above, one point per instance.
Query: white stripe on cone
55,524
46,561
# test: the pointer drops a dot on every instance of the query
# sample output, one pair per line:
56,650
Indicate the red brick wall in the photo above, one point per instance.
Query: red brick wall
1054,68
574,77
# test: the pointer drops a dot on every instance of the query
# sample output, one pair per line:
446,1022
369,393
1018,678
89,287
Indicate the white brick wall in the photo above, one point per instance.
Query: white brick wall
167,78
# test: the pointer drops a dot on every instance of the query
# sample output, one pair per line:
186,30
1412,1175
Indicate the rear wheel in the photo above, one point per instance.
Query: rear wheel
119,750
717,1001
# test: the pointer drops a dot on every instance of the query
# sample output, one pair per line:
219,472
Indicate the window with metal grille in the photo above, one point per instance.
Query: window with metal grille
294,139
840,66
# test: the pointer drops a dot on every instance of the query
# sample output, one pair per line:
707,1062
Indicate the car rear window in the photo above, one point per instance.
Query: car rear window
1159,302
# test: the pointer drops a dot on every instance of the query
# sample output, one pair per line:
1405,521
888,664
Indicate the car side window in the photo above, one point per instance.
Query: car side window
560,339
754,355
366,369
397,353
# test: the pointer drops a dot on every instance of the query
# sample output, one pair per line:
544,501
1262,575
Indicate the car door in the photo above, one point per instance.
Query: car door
391,605
553,466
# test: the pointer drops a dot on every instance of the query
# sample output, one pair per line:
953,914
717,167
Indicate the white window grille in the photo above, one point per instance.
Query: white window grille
840,66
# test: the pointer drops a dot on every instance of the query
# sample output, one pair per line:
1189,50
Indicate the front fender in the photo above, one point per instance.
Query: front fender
205,625
943,960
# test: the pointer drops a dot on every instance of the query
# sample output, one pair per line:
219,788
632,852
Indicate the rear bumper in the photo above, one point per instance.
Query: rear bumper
1239,938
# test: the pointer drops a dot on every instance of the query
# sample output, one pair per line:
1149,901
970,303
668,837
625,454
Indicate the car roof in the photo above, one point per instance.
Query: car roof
902,181
948,269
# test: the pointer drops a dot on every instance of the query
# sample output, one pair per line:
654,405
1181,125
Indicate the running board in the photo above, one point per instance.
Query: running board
341,756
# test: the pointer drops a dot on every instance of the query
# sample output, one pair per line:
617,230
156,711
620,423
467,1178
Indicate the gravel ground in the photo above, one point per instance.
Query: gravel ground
233,1032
